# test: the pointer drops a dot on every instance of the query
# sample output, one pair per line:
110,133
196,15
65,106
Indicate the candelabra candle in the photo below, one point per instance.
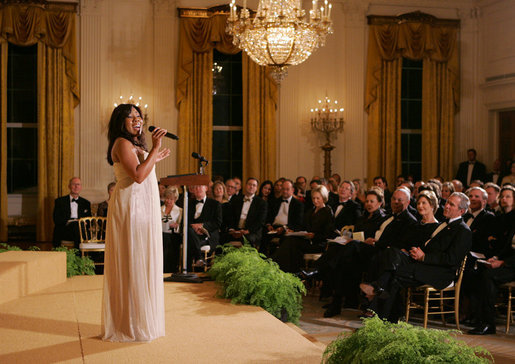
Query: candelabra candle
327,118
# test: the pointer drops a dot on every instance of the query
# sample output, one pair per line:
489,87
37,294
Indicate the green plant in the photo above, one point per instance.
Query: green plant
380,341
247,277
6,247
76,265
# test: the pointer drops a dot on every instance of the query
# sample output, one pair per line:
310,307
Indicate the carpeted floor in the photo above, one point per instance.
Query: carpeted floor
62,324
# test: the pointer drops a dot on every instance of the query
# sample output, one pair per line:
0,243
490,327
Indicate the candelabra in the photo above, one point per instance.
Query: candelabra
327,118
137,102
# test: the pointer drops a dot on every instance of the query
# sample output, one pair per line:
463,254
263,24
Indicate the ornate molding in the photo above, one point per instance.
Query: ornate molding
208,12
413,17
44,4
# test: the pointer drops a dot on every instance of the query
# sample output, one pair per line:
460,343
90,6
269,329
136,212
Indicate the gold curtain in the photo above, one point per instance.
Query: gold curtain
197,38
259,105
53,29
436,45
3,140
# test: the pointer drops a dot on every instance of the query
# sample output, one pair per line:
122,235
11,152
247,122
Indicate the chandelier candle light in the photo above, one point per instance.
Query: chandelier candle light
278,35
328,119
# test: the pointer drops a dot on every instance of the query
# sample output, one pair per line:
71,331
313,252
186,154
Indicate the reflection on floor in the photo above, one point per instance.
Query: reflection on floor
325,330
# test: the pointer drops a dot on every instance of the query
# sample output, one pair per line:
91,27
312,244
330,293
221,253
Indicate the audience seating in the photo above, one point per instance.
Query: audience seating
92,235
431,294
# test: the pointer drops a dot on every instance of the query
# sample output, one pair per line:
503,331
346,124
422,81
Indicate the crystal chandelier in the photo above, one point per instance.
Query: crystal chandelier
278,36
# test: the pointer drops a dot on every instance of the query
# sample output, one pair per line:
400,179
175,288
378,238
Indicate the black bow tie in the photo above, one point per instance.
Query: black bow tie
76,200
247,199
341,203
284,201
199,201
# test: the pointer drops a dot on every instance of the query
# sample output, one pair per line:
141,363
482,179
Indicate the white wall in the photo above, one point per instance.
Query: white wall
131,46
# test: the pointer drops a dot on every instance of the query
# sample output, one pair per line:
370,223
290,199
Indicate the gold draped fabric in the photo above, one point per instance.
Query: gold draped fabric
437,46
197,38
53,29
3,140
259,105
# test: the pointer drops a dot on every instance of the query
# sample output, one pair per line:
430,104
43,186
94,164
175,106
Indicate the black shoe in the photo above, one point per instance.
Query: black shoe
482,330
333,310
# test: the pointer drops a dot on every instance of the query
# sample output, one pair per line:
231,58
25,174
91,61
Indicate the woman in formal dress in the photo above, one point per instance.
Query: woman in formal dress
319,224
171,216
133,307
219,192
265,189
102,207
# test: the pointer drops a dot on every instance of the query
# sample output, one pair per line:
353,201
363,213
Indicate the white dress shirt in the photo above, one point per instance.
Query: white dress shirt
247,201
74,208
282,214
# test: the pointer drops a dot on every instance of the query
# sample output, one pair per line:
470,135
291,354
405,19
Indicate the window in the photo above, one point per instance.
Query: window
411,118
227,115
22,130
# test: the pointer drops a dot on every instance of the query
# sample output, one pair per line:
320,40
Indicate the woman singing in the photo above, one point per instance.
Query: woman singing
133,273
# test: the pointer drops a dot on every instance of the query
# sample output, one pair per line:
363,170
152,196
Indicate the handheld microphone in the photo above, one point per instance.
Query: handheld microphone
199,157
168,135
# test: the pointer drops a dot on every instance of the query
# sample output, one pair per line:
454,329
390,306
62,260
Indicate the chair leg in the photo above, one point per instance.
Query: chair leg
508,314
441,308
457,309
408,303
205,260
426,307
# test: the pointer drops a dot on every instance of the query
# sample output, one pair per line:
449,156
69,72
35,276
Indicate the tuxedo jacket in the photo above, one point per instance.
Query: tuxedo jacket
393,234
482,227
490,177
369,226
505,235
444,254
349,214
295,213
62,213
256,216
478,172
211,217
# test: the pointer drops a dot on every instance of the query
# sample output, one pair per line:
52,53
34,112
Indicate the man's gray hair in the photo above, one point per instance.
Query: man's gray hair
484,195
464,200
405,190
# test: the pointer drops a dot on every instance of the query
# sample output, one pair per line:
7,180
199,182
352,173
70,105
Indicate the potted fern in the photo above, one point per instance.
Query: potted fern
380,341
248,277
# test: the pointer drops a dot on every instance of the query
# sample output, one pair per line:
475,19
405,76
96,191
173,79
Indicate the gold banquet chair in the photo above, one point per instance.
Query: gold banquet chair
509,313
92,235
440,296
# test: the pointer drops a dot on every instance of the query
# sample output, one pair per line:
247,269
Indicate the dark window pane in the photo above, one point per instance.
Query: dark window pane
236,110
221,145
237,145
222,168
22,143
415,147
221,110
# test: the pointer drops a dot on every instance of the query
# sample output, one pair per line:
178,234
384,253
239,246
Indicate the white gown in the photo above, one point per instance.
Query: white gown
133,307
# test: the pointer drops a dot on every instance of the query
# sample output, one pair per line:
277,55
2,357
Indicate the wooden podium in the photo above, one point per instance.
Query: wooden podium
185,180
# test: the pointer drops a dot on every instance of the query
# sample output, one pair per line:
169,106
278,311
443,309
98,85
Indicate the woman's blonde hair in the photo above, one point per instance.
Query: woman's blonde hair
431,198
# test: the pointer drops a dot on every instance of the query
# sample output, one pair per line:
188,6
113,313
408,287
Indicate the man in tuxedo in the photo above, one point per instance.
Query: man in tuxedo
230,186
301,184
67,210
357,257
285,213
205,219
435,263
471,170
247,214
480,221
495,176
492,191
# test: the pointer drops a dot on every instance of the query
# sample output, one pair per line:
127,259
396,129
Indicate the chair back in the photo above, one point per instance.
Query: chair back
348,227
459,274
92,229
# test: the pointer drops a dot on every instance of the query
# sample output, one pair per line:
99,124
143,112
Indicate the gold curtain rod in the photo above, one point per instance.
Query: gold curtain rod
414,17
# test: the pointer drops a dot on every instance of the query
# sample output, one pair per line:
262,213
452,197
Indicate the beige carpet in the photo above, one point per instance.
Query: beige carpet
62,324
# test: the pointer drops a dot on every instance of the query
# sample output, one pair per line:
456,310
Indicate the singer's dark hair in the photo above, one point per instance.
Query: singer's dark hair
117,129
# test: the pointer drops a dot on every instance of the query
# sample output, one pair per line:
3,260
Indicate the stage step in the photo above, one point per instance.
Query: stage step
26,272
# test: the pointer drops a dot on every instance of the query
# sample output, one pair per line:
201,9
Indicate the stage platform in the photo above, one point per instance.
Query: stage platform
27,272
62,324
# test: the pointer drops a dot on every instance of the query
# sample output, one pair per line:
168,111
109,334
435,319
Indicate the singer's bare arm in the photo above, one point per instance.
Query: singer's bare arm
123,152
